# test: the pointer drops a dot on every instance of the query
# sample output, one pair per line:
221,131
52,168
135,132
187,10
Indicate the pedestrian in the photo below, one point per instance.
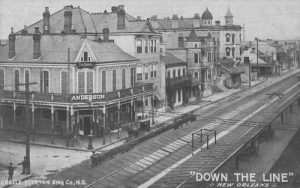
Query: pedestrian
10,171
24,165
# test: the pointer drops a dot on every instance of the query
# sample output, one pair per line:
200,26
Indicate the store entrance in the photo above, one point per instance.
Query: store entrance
85,126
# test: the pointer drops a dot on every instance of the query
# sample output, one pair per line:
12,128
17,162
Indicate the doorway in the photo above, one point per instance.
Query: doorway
85,125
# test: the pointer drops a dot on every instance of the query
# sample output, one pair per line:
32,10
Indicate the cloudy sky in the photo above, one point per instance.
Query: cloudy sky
277,19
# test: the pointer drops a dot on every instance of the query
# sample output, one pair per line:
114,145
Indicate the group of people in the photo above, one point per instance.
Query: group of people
11,168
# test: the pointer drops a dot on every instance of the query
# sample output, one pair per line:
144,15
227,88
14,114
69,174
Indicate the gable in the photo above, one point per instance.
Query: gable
85,53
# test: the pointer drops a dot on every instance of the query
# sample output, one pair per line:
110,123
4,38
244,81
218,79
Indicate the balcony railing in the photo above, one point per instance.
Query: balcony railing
176,80
78,97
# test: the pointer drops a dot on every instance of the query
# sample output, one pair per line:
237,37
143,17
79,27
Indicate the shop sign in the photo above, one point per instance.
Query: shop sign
85,65
87,97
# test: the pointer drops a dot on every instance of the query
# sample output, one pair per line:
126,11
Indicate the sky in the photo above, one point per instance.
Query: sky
274,19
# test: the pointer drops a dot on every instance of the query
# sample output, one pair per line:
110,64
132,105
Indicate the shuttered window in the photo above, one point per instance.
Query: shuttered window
89,82
63,82
1,79
123,79
132,76
81,82
27,76
114,80
17,80
103,81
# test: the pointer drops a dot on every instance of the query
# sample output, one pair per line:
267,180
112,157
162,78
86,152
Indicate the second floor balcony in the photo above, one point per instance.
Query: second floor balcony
106,97
176,80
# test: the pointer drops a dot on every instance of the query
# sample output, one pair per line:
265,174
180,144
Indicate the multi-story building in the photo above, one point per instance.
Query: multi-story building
134,36
79,86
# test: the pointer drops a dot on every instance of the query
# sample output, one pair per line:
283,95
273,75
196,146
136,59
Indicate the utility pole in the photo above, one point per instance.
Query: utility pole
68,92
257,56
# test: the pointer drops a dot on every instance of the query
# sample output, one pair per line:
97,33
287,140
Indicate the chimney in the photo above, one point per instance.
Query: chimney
68,19
114,9
105,33
196,20
12,44
36,43
121,18
175,21
24,31
217,23
138,18
154,17
46,21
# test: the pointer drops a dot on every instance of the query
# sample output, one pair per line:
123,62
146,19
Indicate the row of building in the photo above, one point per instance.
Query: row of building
94,72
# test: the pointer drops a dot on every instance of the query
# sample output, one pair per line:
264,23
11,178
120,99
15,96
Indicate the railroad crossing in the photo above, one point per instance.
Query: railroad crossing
168,159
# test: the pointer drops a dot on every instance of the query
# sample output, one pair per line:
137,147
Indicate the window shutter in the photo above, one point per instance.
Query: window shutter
1,79
123,79
103,81
41,81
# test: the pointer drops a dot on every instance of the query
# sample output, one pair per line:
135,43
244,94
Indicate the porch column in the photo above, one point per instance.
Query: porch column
152,108
119,119
104,119
72,126
52,124
14,121
131,111
143,107
32,121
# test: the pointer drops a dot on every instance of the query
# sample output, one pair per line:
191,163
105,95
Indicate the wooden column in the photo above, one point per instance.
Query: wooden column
32,121
14,121
52,124
104,121
119,107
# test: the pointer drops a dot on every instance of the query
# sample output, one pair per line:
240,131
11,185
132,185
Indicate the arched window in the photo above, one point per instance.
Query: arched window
233,35
227,51
227,37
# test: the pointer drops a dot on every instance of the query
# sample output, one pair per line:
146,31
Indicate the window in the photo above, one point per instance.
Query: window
46,114
44,81
146,73
227,37
27,75
85,56
89,82
17,80
123,79
209,57
233,49
240,37
85,82
114,80
174,73
208,74
183,71
103,81
151,69
227,51
196,58
179,95
61,115
154,45
169,74
196,76
196,46
146,46
139,46
178,72
233,35
154,70
132,76
63,82
81,82
139,73
146,102
1,79
151,46
180,40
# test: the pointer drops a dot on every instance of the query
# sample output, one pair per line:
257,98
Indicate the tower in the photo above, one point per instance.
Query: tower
228,17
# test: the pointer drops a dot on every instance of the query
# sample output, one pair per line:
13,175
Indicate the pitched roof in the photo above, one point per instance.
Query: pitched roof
193,37
94,22
54,49
171,60
228,13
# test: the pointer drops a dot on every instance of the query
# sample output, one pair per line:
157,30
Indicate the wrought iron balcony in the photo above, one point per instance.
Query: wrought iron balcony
176,80
20,97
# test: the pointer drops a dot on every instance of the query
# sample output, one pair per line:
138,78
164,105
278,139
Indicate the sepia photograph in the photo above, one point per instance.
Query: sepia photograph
150,93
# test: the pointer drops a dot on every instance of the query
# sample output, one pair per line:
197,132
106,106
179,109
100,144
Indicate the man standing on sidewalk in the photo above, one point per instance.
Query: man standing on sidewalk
11,170
24,165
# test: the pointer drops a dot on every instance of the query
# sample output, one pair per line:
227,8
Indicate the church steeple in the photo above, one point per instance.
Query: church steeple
228,17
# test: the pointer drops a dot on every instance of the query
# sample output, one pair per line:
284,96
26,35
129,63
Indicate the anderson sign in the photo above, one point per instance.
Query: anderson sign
87,97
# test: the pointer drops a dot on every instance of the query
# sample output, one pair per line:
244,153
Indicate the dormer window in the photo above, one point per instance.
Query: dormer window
85,56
